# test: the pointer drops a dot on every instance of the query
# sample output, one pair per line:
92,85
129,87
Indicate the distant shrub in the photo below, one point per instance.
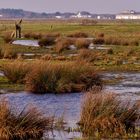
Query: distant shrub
85,55
88,22
99,41
33,35
16,71
46,41
100,35
27,35
78,35
82,43
103,115
52,35
63,44
36,36
121,41
110,51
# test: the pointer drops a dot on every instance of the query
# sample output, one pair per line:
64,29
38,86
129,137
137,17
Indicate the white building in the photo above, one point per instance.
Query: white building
81,15
128,15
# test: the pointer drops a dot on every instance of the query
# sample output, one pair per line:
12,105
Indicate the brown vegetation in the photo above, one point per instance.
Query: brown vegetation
104,115
78,35
28,124
63,44
61,78
46,41
82,43
16,71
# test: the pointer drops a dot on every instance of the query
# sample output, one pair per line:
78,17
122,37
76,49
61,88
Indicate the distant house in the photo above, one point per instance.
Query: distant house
82,15
128,15
106,16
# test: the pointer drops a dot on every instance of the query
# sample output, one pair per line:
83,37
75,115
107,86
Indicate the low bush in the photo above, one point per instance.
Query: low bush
110,51
78,35
48,41
33,35
82,43
100,35
8,52
50,77
53,35
16,71
99,41
28,124
121,41
61,78
63,44
104,115
86,55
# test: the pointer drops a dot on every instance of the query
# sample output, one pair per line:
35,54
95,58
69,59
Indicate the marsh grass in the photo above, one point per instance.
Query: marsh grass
61,78
82,43
63,44
104,115
99,40
16,71
108,40
86,55
8,38
25,125
78,35
46,41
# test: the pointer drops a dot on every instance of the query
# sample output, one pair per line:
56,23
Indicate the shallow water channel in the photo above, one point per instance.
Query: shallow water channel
69,104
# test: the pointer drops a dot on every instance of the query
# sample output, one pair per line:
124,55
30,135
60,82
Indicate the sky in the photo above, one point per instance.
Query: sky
93,6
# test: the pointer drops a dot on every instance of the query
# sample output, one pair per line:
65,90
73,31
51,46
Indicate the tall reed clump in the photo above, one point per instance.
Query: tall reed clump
86,55
63,44
108,40
103,115
61,77
82,43
28,124
16,71
8,38
8,51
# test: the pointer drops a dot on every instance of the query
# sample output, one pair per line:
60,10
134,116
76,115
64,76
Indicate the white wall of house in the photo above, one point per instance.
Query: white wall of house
128,16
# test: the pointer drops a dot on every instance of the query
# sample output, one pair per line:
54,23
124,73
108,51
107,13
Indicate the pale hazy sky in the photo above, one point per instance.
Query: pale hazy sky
93,6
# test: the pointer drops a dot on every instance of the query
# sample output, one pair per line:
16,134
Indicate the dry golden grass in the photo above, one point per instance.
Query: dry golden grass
82,43
86,55
78,35
63,44
105,115
25,125
46,41
16,71
61,77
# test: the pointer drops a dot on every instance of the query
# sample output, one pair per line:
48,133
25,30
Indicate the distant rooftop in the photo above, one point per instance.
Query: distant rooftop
129,12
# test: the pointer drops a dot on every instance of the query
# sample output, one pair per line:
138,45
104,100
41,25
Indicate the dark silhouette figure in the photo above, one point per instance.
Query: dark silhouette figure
18,29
